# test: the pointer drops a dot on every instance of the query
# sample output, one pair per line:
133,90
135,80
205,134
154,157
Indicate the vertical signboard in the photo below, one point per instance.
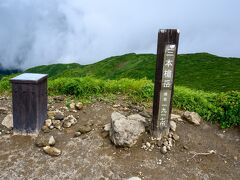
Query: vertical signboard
164,81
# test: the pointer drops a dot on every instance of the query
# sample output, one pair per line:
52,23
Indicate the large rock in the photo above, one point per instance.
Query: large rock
8,121
125,131
192,117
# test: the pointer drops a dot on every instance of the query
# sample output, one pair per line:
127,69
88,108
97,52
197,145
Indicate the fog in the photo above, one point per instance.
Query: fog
36,32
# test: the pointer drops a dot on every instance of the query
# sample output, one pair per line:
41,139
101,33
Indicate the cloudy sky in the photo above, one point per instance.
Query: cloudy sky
36,32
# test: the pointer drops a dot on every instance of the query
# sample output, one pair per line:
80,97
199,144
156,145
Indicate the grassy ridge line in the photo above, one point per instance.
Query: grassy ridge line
200,71
53,69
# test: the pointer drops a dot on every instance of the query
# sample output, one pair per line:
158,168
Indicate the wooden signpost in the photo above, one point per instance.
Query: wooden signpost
164,81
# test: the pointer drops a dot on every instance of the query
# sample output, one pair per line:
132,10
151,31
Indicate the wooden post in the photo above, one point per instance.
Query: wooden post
164,81
29,98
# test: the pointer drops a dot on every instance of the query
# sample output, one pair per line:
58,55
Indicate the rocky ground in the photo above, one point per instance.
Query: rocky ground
75,143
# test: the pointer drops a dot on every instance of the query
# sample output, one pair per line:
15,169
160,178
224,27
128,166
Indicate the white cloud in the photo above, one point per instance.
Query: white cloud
42,32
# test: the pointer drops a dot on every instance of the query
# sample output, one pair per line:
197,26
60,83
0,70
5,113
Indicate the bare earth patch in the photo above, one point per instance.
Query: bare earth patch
93,156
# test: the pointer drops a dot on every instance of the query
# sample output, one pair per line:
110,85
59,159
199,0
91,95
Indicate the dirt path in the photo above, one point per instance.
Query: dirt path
92,156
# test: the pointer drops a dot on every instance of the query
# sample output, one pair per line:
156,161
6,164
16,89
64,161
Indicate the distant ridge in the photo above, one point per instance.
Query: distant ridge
4,72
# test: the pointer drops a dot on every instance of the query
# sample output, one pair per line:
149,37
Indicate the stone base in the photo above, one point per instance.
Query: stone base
24,133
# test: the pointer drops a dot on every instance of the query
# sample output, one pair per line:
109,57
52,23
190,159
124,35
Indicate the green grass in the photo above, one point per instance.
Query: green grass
200,71
53,69
215,107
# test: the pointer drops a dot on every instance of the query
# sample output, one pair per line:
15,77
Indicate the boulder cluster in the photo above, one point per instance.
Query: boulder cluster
124,131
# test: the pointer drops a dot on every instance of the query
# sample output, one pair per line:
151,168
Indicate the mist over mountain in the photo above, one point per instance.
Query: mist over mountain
64,31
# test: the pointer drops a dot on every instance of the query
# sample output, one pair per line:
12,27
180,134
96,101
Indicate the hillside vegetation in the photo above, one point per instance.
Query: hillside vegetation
205,83
53,70
200,71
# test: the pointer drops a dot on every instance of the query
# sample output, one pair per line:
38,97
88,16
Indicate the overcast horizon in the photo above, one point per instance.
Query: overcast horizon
64,31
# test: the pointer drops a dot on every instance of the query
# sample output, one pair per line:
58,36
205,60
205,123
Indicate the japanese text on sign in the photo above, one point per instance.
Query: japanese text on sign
167,83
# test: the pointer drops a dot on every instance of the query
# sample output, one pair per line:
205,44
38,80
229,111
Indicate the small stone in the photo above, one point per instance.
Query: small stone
169,148
79,106
48,122
52,151
71,119
8,121
170,134
67,124
235,158
51,114
51,141
165,143
176,137
107,127
192,117
221,135
144,146
45,129
164,150
126,109
148,144
175,117
77,134
42,141
159,143
84,129
185,147
57,124
8,132
51,127
173,125
170,142
58,98
72,105
59,115
116,105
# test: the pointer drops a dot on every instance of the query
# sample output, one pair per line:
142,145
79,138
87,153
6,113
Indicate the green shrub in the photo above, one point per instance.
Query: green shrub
229,103
215,107
5,85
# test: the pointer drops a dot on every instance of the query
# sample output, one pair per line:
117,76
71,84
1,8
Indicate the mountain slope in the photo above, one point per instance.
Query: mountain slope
197,71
